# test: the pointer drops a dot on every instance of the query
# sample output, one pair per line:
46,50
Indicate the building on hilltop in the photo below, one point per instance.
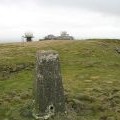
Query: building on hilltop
63,36
28,36
50,37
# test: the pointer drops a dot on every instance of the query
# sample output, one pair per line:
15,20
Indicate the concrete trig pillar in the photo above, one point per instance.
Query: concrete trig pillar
48,88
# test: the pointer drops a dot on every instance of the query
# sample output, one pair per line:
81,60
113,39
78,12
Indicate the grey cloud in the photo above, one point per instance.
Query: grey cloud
105,6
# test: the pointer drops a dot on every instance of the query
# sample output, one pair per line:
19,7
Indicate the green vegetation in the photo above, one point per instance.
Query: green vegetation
91,77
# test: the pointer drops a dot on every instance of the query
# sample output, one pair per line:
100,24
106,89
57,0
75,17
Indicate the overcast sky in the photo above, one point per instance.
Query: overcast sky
80,18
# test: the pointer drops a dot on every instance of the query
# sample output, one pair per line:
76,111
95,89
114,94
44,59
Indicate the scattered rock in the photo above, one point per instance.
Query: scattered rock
95,77
25,95
17,99
84,97
88,81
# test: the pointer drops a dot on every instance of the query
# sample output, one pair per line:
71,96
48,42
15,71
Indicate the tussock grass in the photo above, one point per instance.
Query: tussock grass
91,77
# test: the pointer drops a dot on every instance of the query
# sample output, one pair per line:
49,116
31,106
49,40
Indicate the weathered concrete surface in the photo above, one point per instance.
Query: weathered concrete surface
49,95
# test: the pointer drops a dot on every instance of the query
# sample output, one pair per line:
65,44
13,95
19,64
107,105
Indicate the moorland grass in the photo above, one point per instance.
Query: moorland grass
91,77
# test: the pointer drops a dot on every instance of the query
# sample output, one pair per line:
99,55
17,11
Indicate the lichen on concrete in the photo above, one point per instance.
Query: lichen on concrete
48,88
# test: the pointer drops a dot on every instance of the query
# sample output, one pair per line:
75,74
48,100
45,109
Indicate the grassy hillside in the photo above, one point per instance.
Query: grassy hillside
91,77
